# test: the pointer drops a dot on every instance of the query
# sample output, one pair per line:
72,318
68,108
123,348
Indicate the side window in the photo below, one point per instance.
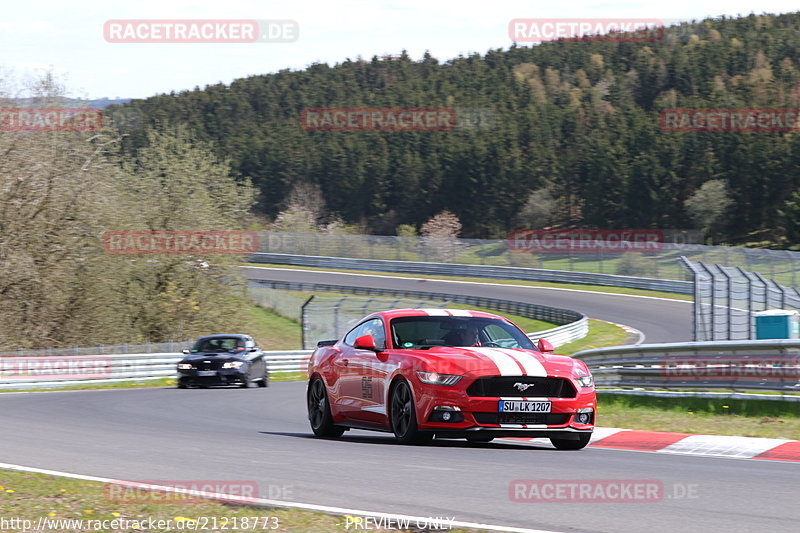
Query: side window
372,327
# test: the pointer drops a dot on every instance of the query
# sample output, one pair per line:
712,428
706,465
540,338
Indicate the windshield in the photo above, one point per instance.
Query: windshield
219,344
423,332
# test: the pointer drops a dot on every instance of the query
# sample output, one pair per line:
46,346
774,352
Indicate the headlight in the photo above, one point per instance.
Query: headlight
433,378
232,364
185,366
586,381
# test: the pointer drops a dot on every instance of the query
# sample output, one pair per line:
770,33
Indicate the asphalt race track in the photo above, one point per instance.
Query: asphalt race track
660,320
262,435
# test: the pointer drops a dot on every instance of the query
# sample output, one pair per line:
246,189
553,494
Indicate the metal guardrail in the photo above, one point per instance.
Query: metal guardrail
554,315
39,371
767,365
477,271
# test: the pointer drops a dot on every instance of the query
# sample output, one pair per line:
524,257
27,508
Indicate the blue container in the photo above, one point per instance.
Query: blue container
777,324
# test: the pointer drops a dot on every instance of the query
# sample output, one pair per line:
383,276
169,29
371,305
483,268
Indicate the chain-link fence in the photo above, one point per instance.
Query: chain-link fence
780,265
725,299
106,349
330,317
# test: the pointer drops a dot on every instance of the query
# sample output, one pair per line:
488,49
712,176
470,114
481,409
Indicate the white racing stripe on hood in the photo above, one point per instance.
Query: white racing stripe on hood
459,312
435,312
531,365
506,364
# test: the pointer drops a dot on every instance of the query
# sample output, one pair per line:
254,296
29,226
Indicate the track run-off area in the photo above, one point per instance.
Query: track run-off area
263,436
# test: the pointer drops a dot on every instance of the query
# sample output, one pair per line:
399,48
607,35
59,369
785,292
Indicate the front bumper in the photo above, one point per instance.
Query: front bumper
226,376
480,415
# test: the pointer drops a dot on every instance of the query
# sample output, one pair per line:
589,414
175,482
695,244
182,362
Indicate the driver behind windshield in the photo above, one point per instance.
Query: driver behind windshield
467,335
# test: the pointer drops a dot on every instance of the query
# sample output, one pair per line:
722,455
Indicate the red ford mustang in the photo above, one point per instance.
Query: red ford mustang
448,373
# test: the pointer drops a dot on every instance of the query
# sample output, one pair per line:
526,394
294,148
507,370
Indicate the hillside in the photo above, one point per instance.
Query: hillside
577,119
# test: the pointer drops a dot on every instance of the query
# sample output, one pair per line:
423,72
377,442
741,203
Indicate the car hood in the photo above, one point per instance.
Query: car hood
215,356
484,361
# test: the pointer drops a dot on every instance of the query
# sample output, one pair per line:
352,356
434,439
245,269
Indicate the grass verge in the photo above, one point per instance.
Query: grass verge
709,416
64,501
546,284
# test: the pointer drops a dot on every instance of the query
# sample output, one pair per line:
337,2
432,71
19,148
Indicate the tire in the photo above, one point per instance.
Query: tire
319,411
479,439
264,382
404,416
565,444
183,383
246,383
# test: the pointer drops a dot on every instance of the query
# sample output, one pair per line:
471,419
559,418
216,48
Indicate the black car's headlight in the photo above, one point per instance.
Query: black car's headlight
185,366
434,378
586,381
233,364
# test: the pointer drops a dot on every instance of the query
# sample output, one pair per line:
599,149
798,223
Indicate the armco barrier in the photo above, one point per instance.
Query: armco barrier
151,366
767,365
476,271
554,315
134,367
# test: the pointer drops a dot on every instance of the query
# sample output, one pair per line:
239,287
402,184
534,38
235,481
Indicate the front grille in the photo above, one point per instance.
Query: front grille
551,419
212,365
509,386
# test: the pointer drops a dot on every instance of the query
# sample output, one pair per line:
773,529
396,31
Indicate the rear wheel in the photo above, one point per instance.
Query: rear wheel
319,411
568,444
404,416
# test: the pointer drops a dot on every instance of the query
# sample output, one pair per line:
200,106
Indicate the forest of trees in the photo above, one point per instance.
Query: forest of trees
575,138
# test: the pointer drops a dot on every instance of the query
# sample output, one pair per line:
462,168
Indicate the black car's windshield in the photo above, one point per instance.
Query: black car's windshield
422,332
219,344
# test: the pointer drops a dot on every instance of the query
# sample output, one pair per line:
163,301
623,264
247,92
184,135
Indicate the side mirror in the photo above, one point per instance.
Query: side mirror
544,346
254,349
185,351
366,342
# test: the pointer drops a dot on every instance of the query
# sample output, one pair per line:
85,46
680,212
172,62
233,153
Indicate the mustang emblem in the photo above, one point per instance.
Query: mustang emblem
522,387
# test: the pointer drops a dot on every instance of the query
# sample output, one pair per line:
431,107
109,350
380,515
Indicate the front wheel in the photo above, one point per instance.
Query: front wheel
568,444
319,411
404,417
264,382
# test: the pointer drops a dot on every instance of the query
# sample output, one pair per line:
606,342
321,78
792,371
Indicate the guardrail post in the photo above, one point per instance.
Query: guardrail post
749,302
303,322
730,307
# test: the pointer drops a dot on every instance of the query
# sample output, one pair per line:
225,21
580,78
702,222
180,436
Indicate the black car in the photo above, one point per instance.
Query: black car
223,360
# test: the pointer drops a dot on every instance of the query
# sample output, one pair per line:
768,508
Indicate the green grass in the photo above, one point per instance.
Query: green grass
545,284
601,334
710,416
273,331
29,496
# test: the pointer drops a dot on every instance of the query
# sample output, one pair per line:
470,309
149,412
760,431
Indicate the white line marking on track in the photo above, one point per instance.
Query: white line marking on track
273,503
